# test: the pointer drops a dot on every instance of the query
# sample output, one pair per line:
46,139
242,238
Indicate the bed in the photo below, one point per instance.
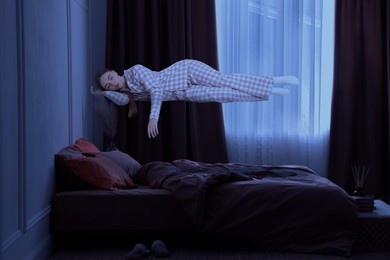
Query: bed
284,207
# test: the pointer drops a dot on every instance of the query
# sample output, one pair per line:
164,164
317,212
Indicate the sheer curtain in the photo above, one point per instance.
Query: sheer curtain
274,38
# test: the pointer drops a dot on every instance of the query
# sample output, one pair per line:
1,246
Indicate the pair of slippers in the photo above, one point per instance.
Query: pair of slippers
158,249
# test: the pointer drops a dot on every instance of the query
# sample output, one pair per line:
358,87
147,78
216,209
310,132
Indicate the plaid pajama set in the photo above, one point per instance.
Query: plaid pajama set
191,80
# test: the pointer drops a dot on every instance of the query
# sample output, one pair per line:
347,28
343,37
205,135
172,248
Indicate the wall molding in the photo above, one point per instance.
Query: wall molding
19,233
21,116
83,4
38,217
70,83
37,243
90,125
42,249
11,240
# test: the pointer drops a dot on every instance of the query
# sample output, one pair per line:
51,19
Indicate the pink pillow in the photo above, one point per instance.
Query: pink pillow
100,172
85,146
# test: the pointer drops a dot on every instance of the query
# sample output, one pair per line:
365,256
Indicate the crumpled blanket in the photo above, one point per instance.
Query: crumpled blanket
287,208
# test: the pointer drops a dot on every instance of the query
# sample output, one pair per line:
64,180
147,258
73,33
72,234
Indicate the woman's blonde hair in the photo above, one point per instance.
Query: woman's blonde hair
132,105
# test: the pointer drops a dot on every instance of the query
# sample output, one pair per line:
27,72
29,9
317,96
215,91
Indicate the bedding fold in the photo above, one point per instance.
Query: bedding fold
288,208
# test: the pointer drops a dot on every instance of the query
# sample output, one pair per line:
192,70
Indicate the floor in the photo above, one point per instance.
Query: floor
373,231
186,249
208,254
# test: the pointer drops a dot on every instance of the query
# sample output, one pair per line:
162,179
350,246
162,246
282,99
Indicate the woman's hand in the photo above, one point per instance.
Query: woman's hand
96,92
152,128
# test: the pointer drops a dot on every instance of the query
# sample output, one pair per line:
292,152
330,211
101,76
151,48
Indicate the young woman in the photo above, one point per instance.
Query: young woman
186,80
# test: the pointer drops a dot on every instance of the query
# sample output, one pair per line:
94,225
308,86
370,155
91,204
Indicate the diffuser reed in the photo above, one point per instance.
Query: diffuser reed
359,175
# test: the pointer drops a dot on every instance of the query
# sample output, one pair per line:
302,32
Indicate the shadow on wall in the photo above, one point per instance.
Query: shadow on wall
108,113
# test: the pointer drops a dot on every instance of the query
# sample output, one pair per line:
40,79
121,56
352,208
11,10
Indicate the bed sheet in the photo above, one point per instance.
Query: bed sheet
284,208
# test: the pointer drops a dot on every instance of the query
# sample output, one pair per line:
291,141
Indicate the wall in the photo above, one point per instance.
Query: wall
45,105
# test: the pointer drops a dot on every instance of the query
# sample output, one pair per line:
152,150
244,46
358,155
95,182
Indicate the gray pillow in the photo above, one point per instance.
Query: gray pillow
123,160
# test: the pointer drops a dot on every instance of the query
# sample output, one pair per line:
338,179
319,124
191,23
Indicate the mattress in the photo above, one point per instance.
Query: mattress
133,210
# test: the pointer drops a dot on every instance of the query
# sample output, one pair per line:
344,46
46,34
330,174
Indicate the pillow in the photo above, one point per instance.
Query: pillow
65,178
69,152
85,146
100,172
125,161
118,98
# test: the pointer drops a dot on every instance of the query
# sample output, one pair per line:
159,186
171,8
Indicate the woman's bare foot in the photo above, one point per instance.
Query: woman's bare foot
286,80
280,91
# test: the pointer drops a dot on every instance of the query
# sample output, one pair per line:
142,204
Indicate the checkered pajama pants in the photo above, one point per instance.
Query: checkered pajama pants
207,84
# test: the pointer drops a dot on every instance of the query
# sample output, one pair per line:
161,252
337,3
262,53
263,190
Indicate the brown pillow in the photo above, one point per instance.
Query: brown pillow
85,146
100,172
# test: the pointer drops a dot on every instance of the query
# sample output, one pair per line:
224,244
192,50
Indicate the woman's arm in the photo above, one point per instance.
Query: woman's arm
146,78
152,128
96,92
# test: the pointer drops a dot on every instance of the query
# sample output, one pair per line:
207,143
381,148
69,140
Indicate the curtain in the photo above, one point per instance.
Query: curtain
359,133
157,33
275,38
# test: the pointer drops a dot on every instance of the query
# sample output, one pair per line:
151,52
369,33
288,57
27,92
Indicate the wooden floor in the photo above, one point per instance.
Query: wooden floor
185,249
209,254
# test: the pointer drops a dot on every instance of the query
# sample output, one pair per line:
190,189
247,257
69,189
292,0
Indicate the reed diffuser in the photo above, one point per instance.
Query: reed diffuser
359,174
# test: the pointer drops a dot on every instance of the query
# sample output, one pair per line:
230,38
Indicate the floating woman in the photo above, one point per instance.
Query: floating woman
185,80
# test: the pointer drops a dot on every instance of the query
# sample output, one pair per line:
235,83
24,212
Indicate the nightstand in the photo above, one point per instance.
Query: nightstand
374,228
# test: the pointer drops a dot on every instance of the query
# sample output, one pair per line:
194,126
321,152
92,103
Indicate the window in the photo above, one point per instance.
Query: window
275,38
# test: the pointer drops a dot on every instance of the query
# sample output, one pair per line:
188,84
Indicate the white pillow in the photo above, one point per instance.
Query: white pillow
118,98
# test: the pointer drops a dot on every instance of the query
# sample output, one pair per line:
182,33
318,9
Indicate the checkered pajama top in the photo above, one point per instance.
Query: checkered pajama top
191,80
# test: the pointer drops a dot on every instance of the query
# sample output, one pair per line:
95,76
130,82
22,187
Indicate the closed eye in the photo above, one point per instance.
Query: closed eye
108,85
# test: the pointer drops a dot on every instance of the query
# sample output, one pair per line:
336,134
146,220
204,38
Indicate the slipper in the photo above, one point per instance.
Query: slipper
138,252
159,249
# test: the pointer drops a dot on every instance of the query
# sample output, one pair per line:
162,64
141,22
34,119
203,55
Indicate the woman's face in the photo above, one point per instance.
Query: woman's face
110,80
